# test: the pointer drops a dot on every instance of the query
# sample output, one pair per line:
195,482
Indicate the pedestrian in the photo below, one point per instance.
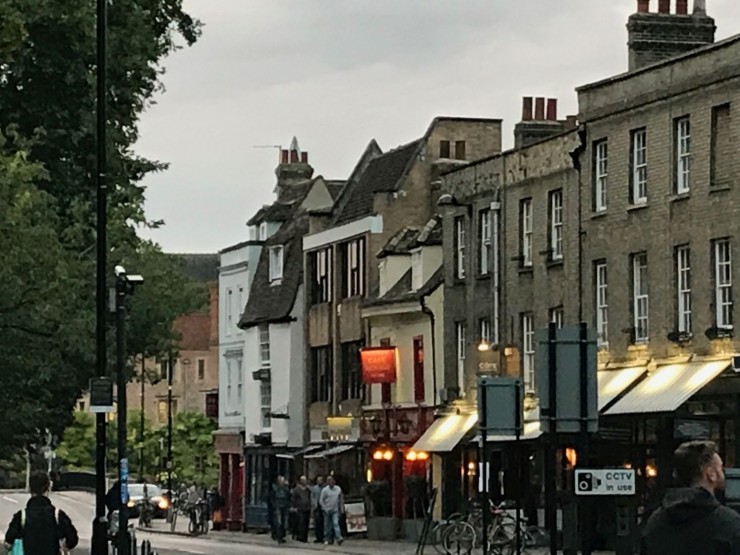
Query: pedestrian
318,514
331,501
301,502
690,520
43,529
280,497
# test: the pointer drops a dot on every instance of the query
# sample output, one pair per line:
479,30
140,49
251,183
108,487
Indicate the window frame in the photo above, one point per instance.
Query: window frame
485,330
639,166
601,301
555,213
556,315
723,300
460,353
528,366
417,274
640,297
417,349
601,175
352,384
445,149
201,369
526,239
682,257
354,267
263,344
321,374
682,149
265,404
460,247
484,241
276,256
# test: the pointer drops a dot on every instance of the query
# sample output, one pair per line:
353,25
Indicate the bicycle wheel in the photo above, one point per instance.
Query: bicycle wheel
459,537
173,519
503,534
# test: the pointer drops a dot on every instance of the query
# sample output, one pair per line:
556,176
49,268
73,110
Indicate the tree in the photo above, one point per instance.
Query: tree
195,459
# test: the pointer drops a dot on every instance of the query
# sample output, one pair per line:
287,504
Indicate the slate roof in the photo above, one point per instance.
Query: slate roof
200,267
401,290
382,174
335,188
410,238
282,210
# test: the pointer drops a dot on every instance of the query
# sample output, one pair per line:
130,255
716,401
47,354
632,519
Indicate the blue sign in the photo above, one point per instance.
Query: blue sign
124,481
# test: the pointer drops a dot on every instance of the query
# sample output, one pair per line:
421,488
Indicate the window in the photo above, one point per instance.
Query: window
252,233
212,405
722,150
322,263
276,263
417,277
484,240
723,283
485,330
556,224
229,380
461,342
683,154
683,288
525,219
528,350
444,149
263,231
321,374
201,369
240,299
352,387
638,191
600,175
239,381
460,247
557,316
418,349
264,339
266,403
162,410
355,268
229,309
640,304
602,304
81,406
460,150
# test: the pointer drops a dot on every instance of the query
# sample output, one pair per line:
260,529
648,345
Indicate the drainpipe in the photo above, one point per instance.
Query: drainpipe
432,321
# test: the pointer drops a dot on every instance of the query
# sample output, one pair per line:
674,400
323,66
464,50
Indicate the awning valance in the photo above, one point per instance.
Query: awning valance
612,383
668,387
446,433
332,451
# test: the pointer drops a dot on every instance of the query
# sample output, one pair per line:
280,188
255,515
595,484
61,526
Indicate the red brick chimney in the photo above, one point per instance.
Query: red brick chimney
643,6
527,108
664,6
304,157
552,109
539,109
682,7
283,156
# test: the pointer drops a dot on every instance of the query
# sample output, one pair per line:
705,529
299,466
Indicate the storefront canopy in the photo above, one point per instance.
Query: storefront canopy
668,387
612,383
446,433
338,450
300,452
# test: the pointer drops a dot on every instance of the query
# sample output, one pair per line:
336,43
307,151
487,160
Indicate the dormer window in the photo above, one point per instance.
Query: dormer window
276,263
416,271
252,232
263,231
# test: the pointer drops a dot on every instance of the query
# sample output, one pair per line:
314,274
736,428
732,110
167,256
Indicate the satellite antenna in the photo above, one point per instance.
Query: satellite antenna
278,147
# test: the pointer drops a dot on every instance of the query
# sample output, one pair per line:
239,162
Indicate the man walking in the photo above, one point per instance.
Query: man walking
691,521
318,514
332,503
301,502
43,529
280,497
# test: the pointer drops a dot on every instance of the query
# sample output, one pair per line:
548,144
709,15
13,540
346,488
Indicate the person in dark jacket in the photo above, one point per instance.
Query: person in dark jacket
43,529
690,520
280,503
301,501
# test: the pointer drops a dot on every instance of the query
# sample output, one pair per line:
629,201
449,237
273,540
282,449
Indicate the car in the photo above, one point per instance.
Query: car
158,502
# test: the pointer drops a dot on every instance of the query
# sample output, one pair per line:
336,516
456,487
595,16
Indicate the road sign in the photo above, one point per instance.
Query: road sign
500,405
609,481
101,395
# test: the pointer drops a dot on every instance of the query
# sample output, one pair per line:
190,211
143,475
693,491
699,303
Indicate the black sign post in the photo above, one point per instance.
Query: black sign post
101,395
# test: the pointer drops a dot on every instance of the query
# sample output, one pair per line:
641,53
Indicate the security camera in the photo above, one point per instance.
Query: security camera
120,271
446,200
135,279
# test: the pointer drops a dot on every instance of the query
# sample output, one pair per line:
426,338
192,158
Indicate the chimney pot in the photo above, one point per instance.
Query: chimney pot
552,109
682,7
283,156
293,156
304,157
643,6
539,109
700,7
664,6
527,108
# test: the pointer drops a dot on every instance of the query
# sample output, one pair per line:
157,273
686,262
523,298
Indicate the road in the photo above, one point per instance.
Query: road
80,508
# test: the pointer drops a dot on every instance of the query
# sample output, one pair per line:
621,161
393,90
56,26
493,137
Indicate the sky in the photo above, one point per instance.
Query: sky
338,73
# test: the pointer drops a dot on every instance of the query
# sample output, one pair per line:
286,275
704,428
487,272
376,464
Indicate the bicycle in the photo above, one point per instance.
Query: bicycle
198,523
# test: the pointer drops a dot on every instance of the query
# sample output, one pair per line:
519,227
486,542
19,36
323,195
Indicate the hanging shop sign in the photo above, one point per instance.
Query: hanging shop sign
378,364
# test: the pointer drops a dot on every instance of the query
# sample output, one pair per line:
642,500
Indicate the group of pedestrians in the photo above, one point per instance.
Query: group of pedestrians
323,501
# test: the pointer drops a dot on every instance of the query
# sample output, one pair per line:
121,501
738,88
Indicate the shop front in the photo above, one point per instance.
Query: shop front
229,447
263,464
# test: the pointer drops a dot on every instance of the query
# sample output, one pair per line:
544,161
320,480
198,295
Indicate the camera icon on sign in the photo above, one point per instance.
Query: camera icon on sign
587,482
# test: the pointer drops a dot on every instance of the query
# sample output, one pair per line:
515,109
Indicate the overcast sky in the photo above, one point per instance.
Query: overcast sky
337,73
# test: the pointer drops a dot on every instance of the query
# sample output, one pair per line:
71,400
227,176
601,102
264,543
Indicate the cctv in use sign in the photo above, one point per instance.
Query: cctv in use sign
611,481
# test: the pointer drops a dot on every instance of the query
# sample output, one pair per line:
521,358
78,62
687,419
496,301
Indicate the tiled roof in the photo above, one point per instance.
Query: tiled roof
335,187
400,243
383,173
431,234
282,210
401,290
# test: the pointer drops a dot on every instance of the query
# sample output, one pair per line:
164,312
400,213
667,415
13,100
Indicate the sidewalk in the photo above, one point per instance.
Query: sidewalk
352,545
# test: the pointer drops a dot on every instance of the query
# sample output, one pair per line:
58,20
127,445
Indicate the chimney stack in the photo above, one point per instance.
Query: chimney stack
539,109
304,157
527,108
682,7
293,156
293,169
552,109
283,156
643,6
664,6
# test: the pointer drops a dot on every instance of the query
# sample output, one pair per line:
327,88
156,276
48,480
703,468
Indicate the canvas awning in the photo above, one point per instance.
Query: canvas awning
332,451
612,383
445,433
300,452
668,387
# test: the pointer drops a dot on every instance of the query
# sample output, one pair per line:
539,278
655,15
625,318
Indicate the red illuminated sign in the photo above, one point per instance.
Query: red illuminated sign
378,364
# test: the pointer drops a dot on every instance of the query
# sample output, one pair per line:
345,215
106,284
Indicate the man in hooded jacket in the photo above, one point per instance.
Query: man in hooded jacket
690,520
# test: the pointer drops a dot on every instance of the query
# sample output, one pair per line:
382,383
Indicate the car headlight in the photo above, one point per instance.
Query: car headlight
131,503
163,504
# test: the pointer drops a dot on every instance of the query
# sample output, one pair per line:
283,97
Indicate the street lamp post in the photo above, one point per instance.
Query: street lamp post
141,420
170,369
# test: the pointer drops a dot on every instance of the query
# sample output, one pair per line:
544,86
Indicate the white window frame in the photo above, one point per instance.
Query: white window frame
639,166
484,221
263,332
323,262
229,381
263,231
683,155
526,231
265,404
528,368
355,267
229,310
276,263
460,247
252,232
417,276
240,298
556,224
556,315
602,303
723,283
461,342
601,178
683,288
640,297
485,331
239,381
